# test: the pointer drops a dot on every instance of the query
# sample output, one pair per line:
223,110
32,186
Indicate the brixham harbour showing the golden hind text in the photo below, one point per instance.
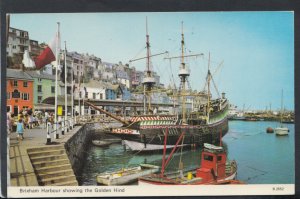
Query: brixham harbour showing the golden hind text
165,114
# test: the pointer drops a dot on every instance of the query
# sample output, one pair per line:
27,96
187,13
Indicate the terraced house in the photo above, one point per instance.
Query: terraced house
19,90
43,86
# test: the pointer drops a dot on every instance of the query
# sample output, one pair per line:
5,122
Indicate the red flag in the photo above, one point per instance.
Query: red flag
46,57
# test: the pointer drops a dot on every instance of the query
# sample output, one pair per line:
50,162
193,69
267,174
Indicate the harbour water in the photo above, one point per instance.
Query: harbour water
262,158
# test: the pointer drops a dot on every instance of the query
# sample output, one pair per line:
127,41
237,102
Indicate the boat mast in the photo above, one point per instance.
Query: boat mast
208,89
281,107
148,80
183,74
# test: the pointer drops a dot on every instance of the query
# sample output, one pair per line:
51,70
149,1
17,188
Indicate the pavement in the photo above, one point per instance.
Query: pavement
21,170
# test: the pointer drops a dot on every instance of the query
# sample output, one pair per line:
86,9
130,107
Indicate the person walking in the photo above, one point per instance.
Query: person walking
46,118
20,129
25,120
9,121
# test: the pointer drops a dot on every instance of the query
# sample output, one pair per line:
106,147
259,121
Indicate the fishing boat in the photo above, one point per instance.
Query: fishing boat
127,175
201,125
214,170
281,130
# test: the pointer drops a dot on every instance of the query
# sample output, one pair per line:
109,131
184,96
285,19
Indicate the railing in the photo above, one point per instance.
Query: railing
59,128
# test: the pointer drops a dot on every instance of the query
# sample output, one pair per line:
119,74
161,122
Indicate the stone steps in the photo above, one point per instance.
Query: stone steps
46,153
58,179
50,163
46,169
45,148
52,166
68,183
52,174
48,158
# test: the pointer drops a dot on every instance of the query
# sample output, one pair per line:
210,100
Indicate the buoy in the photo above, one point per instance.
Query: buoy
270,130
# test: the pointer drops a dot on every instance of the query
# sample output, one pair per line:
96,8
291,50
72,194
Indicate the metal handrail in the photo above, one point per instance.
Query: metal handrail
62,125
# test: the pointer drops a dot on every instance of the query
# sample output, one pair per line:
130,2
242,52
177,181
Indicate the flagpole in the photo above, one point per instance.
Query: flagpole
79,92
72,95
56,135
66,126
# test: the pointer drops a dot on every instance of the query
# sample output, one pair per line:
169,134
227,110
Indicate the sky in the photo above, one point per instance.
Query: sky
251,53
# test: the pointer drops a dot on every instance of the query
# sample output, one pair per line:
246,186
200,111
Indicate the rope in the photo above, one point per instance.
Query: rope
181,152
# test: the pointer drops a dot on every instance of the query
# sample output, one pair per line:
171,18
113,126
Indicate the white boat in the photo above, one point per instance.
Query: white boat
281,130
138,146
101,143
126,176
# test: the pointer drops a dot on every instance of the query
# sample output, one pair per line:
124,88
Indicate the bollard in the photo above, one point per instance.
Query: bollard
71,123
48,139
48,133
63,127
68,124
48,127
56,130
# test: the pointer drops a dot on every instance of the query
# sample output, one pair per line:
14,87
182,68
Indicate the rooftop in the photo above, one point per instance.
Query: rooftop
36,74
17,74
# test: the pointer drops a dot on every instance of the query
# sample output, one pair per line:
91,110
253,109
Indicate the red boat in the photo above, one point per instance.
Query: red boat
214,170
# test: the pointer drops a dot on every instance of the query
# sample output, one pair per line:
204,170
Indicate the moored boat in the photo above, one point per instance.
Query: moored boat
101,143
282,130
127,175
214,170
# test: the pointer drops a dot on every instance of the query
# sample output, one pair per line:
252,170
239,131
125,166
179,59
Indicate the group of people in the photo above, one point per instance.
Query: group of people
27,119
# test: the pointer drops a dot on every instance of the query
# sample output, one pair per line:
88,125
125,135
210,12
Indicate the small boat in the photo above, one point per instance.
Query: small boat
126,176
282,130
214,170
113,140
137,146
101,143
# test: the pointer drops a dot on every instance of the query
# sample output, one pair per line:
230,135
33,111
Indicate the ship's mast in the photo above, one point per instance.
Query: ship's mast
148,80
208,89
183,75
281,112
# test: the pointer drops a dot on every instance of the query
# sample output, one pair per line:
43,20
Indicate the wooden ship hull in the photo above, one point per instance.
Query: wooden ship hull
194,134
150,130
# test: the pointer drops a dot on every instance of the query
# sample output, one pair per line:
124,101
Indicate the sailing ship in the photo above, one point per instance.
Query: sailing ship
282,130
142,132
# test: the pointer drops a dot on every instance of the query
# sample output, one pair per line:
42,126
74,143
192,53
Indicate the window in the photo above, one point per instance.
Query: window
39,100
39,79
52,89
80,94
14,47
208,157
86,95
25,96
39,88
219,158
94,95
15,83
25,84
8,95
101,95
